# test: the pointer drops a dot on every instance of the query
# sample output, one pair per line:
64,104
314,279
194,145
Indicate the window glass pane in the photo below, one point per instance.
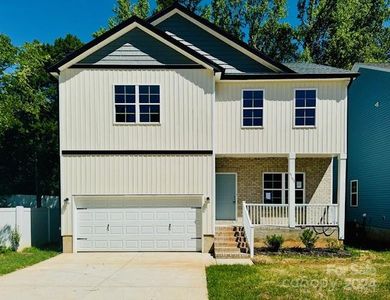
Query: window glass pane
119,98
257,122
310,102
154,108
130,98
300,102
299,183
144,117
144,98
119,89
154,98
311,94
258,95
130,89
154,89
247,122
300,94
300,113
354,199
130,109
354,186
154,118
310,112
130,118
247,113
120,118
120,108
310,121
247,95
248,103
299,121
299,197
144,89
257,113
258,103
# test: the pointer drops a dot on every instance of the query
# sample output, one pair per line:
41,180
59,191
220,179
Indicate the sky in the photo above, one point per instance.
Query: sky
45,20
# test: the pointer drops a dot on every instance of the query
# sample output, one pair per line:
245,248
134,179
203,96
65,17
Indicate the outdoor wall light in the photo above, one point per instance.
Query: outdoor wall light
66,200
208,199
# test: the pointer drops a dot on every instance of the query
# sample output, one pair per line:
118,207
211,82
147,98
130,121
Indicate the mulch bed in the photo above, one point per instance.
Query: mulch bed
317,252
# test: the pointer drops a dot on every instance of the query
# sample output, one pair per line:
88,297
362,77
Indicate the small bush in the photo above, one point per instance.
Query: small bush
274,242
14,239
309,238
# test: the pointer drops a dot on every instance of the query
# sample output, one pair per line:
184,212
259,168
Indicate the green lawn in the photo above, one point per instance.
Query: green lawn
11,261
365,275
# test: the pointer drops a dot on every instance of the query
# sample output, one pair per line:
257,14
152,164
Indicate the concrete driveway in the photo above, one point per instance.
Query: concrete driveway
111,276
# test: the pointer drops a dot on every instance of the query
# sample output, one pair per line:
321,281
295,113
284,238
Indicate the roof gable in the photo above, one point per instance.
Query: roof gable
202,33
136,48
228,57
121,29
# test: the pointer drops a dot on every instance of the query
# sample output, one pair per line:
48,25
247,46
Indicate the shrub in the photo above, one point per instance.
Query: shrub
14,239
309,238
274,242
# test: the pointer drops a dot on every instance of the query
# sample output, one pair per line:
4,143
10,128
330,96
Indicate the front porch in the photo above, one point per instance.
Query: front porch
292,192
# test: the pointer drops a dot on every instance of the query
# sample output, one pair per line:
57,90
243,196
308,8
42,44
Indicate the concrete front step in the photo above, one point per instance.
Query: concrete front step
227,249
231,255
230,243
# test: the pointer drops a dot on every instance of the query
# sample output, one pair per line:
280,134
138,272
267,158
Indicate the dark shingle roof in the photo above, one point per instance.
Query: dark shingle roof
310,68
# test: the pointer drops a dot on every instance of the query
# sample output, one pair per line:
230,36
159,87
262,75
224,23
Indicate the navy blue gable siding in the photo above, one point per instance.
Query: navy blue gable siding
233,60
369,147
136,48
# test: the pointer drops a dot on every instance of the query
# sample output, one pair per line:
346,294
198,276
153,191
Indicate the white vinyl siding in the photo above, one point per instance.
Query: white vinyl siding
278,134
87,110
136,175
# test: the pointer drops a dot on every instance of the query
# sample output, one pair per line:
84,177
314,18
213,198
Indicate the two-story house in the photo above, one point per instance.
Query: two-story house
171,127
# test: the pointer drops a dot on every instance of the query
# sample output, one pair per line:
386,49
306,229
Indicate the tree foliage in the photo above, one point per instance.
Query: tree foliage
192,5
342,32
228,15
123,10
29,144
267,30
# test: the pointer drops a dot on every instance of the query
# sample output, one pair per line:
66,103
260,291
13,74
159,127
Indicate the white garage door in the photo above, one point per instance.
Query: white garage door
139,229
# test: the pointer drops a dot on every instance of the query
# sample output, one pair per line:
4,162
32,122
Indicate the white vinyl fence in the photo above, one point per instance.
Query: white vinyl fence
37,226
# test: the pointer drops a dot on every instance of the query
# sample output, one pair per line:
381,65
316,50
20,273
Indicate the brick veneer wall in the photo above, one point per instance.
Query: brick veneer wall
318,176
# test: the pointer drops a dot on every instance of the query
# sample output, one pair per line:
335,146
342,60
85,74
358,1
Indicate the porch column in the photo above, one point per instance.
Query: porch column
291,189
342,172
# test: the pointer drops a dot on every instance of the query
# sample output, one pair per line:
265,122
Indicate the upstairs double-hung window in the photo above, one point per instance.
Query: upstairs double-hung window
252,108
137,103
305,108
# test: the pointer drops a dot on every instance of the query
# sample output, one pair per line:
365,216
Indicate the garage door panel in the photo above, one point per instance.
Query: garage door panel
139,229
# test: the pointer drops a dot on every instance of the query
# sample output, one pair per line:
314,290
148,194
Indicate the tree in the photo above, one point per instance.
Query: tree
192,5
123,10
342,32
267,32
29,161
228,15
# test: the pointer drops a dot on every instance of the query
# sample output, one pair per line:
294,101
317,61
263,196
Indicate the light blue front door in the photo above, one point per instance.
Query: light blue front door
226,196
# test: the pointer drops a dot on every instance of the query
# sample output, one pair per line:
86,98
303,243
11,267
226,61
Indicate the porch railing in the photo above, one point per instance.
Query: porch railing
249,229
316,214
268,214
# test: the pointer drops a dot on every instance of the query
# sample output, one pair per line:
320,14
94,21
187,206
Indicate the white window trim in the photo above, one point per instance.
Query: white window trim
242,109
137,104
283,189
315,109
356,193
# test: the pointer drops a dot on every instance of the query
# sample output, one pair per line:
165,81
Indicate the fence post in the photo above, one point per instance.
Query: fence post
19,218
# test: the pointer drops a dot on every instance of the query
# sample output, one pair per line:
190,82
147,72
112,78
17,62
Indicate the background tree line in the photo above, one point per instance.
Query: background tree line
332,32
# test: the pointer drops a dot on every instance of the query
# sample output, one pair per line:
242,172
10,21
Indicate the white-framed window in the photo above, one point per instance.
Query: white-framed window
305,103
137,104
354,193
252,108
275,188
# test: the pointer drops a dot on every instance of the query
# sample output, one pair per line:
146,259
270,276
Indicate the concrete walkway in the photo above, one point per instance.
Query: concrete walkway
111,276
